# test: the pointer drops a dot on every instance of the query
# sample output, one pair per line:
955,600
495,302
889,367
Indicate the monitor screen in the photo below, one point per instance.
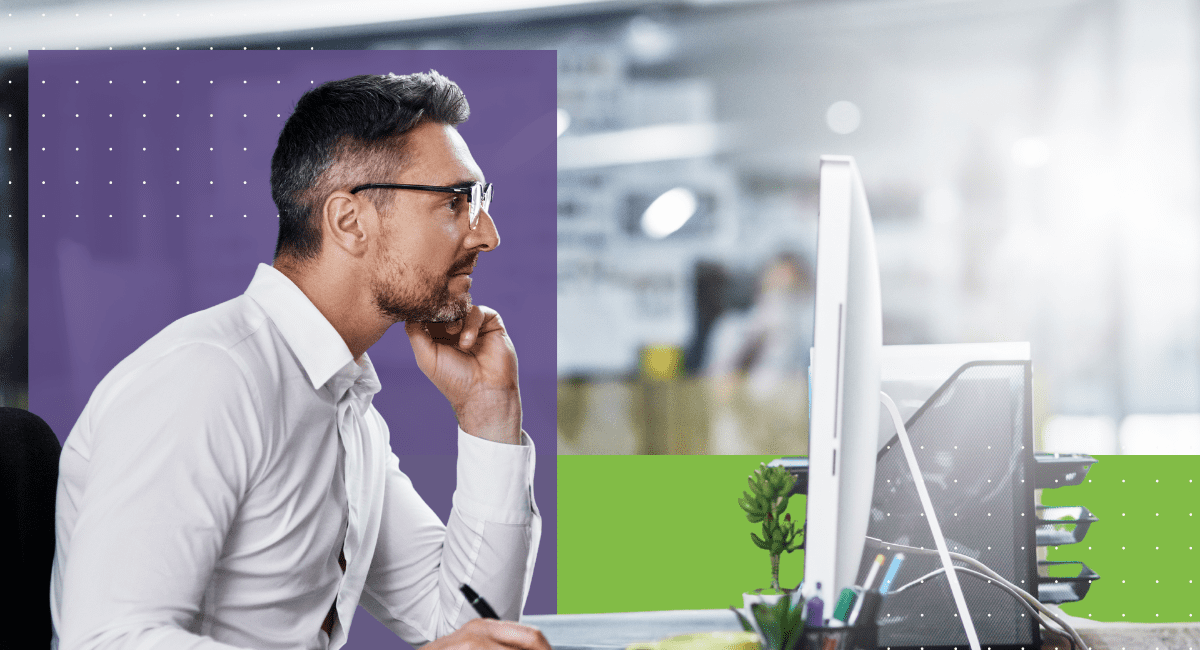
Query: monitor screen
847,342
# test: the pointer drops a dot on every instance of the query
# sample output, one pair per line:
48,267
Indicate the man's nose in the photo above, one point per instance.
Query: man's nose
485,236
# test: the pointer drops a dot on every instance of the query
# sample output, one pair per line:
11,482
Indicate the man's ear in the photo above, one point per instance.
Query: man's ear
345,221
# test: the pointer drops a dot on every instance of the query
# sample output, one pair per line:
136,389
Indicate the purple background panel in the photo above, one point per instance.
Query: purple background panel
150,199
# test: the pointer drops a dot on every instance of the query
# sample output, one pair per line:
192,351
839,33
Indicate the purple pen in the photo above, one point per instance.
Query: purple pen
815,610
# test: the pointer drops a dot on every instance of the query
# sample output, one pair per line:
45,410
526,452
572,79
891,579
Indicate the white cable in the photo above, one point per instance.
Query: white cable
1013,591
938,539
999,579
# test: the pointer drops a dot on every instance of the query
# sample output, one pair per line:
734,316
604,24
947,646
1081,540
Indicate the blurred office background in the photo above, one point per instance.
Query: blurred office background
1032,174
1031,166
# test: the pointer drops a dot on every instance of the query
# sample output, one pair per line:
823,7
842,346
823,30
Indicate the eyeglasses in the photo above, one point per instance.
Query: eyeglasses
479,193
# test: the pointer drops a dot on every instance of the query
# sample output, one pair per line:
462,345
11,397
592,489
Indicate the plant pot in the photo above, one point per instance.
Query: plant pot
749,598
859,637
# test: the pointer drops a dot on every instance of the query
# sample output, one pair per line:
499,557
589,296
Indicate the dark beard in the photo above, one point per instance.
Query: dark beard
435,306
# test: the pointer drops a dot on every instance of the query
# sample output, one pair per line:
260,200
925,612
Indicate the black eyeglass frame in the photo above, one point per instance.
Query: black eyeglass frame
478,194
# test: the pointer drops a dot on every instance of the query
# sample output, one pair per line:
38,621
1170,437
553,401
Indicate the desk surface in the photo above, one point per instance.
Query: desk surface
608,631
1133,636
612,631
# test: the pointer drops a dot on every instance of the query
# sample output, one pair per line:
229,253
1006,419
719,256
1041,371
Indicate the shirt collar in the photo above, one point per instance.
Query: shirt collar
317,345
358,380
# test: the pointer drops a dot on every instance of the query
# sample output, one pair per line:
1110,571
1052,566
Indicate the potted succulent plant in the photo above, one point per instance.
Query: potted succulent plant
779,626
765,503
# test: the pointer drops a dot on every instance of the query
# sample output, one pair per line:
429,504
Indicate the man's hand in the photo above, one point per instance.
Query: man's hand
473,363
490,634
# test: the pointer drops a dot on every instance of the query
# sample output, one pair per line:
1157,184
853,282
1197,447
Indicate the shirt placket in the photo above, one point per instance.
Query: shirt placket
351,408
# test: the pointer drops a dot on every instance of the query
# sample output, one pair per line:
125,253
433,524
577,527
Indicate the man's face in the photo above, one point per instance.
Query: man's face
427,250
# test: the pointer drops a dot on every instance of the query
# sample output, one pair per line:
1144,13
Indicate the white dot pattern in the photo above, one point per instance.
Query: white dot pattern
1143,539
188,166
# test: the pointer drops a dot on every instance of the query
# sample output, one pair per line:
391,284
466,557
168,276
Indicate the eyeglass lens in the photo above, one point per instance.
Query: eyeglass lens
481,198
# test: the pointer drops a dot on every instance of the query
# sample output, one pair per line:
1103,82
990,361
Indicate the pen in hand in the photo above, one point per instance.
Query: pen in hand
485,610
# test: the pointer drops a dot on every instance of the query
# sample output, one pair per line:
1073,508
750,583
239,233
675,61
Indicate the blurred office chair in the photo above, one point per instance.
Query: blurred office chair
28,480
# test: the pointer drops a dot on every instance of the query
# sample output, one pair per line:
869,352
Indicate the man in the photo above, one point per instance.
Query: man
229,484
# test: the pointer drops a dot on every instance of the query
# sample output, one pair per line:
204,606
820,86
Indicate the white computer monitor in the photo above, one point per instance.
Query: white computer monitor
847,343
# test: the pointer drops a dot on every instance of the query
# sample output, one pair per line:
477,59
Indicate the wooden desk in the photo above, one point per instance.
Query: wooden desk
1133,636
611,631
615,631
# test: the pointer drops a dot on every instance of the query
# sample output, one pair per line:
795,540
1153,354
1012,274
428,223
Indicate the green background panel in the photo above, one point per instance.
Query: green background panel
1143,544
641,533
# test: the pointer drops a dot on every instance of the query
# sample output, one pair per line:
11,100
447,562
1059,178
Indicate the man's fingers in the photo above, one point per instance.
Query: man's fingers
422,344
417,333
470,328
444,333
513,635
521,636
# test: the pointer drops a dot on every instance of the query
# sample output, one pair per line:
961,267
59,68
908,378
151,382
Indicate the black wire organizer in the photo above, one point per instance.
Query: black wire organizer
1060,526
1061,470
973,438
1055,590
972,434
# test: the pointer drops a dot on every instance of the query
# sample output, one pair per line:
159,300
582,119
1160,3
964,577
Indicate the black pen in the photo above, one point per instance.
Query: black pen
485,610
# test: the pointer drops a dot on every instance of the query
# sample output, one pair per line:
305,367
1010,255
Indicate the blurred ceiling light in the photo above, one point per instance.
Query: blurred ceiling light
843,117
1031,152
669,212
646,144
649,41
564,121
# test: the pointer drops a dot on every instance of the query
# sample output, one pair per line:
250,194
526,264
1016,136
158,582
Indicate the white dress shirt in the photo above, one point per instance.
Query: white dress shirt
215,474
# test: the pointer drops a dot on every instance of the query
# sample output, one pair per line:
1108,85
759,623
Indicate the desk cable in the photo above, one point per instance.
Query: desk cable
946,555
934,527
985,573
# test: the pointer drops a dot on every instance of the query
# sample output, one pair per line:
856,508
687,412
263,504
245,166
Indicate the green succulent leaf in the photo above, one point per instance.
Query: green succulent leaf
742,619
781,608
791,622
758,542
767,624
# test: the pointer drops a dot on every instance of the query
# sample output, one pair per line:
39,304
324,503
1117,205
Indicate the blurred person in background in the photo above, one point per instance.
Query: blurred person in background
758,365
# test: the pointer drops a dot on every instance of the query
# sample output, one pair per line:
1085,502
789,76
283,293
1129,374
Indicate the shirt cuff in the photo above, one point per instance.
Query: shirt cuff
495,479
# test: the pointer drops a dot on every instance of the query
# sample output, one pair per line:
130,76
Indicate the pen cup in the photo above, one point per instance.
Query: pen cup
859,637
863,635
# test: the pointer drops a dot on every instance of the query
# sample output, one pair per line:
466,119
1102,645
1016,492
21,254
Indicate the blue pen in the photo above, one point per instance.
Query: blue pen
893,569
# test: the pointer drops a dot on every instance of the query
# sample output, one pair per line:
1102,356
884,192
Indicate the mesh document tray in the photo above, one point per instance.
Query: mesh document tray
1064,589
1061,470
1057,525
973,442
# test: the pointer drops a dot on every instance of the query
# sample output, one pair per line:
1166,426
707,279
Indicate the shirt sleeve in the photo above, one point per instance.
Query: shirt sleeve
490,543
170,452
